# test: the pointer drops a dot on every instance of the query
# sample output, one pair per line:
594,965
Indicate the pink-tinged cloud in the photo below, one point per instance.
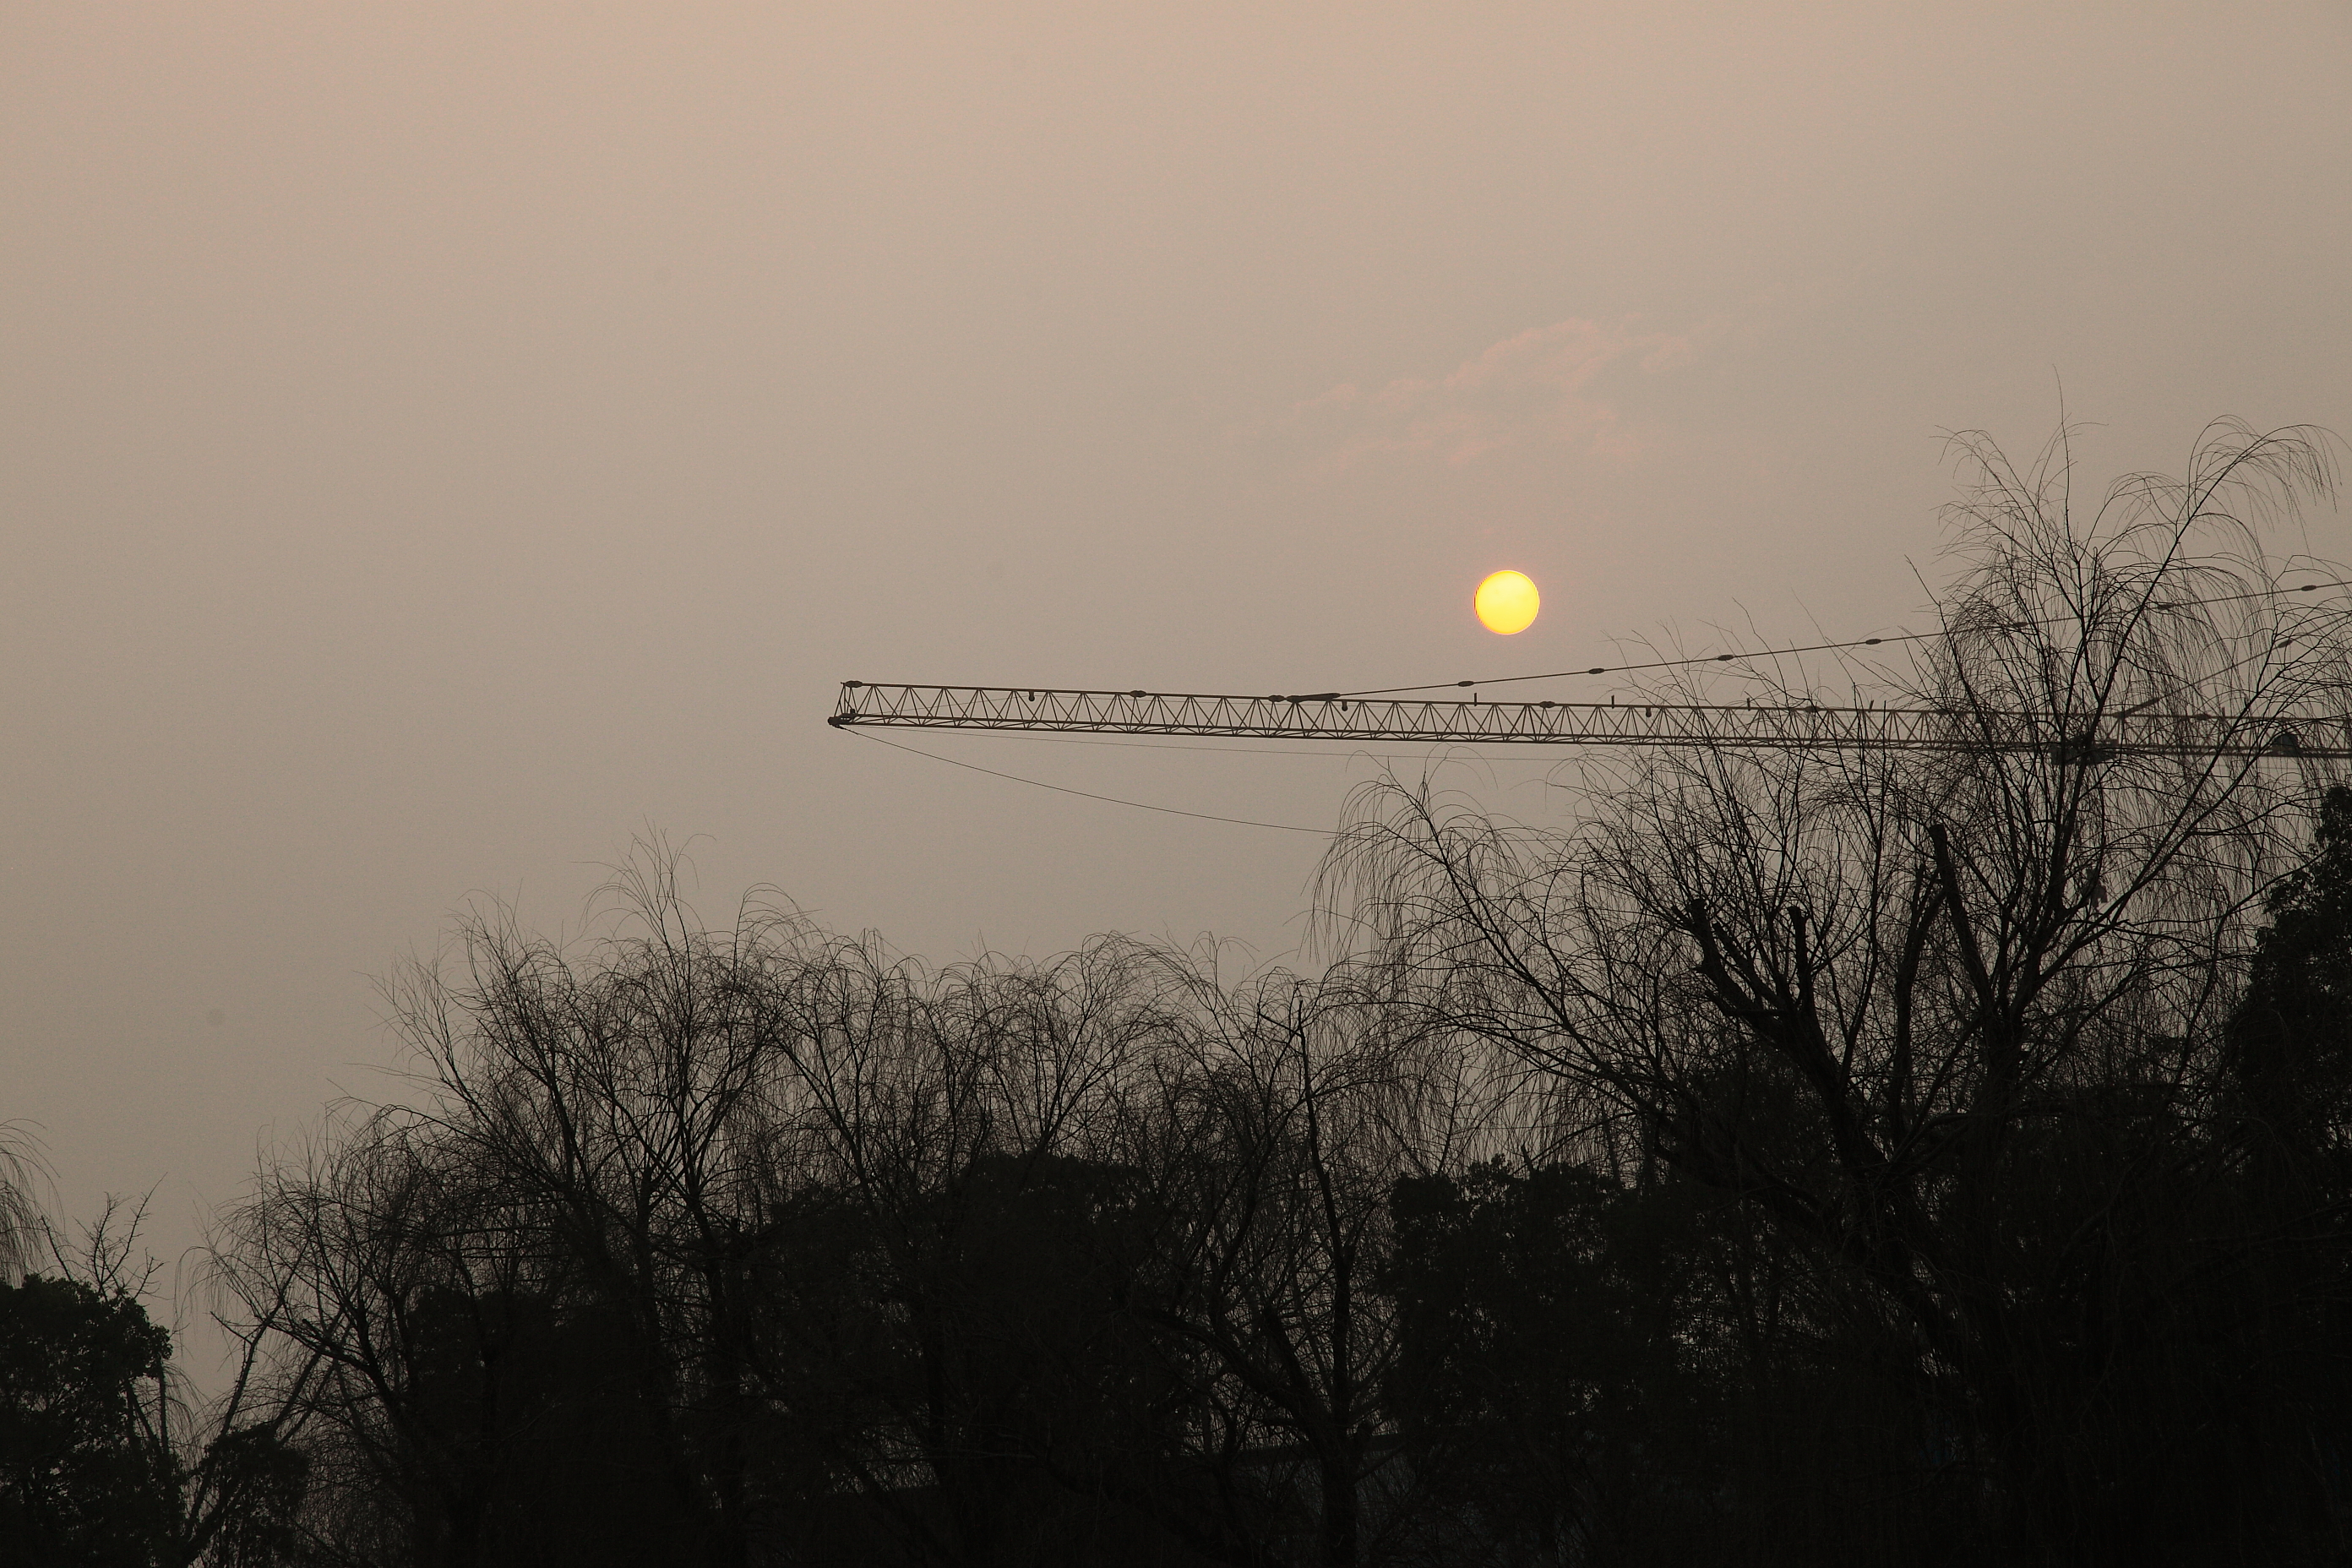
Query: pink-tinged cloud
1534,389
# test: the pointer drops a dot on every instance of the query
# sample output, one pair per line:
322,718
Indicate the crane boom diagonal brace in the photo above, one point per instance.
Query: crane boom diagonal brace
1329,716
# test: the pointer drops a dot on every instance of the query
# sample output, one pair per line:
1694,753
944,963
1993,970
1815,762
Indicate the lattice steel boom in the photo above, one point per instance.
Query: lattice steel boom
1330,717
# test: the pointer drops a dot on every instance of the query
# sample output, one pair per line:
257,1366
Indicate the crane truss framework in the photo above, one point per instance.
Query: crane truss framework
1330,717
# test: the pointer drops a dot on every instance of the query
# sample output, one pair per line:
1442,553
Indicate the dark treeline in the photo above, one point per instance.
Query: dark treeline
1930,1155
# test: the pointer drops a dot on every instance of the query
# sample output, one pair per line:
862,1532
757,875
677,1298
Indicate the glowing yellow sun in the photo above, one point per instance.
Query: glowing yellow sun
1507,602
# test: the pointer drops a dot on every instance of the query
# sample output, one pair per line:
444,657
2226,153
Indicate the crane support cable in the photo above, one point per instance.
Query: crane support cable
1089,794
1886,639
1333,716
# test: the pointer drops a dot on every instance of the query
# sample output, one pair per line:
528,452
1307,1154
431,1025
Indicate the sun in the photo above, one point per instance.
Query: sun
1507,602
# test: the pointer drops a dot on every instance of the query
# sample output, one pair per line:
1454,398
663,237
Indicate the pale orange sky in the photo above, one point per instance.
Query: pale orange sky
443,439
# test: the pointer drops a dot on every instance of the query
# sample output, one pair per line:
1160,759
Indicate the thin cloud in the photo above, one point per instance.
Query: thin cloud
1534,389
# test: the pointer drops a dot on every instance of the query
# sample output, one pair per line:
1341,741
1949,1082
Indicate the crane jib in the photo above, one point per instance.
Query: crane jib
1329,716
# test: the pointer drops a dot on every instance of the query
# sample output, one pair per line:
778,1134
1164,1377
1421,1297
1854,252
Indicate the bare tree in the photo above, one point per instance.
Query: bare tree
618,1092
962,1126
21,1231
396,1291
783,1181
1952,1018
1269,1148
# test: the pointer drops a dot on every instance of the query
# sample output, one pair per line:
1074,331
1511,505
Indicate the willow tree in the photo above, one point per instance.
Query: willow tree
20,1211
1952,1017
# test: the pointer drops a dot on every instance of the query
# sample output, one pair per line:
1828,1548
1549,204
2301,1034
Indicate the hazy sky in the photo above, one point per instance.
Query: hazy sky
443,440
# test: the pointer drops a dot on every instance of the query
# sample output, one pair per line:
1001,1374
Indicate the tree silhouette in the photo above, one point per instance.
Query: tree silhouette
82,1481
1951,1020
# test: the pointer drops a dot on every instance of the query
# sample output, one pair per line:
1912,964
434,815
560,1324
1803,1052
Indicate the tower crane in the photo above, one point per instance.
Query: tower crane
1336,716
